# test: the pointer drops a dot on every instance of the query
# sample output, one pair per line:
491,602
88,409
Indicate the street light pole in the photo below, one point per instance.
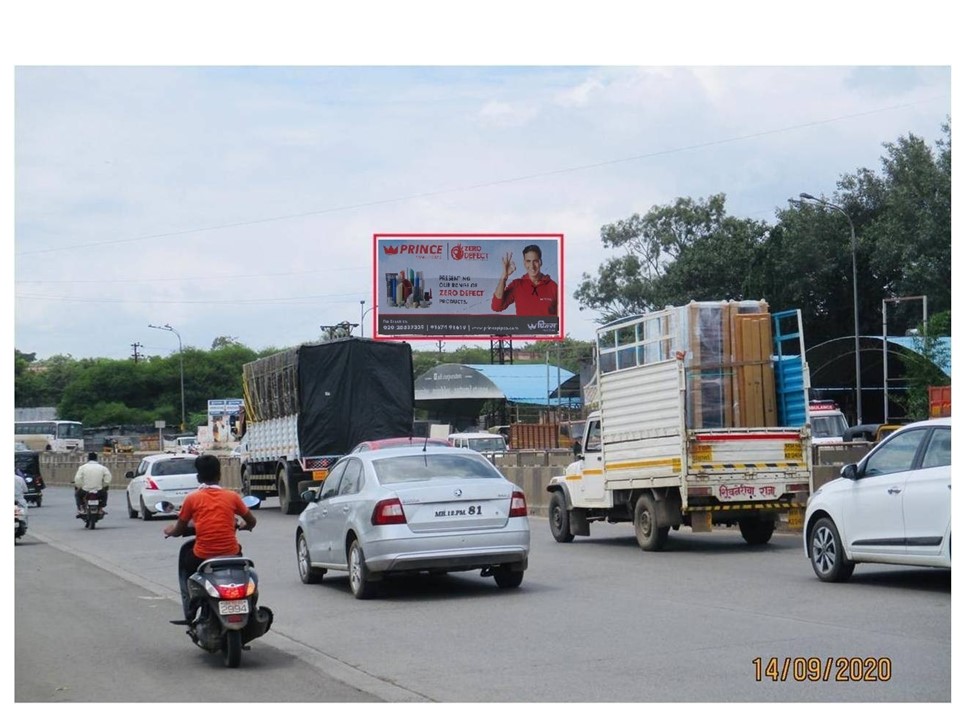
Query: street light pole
363,314
856,297
183,405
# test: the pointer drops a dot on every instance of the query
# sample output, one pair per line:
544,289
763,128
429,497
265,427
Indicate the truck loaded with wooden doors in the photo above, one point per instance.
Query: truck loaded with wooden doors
702,421
307,406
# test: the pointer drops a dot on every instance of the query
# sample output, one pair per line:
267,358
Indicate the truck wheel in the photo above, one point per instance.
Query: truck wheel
559,518
826,552
288,500
649,535
757,531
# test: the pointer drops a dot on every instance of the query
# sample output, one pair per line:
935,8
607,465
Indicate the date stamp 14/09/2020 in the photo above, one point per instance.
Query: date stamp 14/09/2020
828,669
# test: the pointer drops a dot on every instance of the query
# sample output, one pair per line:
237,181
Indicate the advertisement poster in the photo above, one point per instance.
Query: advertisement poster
222,419
468,286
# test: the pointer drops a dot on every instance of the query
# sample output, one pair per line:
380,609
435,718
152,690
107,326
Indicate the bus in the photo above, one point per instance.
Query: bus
50,435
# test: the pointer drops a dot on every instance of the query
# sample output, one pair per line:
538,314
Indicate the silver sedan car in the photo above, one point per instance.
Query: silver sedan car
410,509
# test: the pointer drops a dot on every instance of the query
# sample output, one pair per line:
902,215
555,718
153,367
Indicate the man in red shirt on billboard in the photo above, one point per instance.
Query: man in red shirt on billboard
533,294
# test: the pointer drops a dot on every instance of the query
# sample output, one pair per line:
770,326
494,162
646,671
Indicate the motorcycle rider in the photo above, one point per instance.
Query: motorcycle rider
91,476
213,511
20,490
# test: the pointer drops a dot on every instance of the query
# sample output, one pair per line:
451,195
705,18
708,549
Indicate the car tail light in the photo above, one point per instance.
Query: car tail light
798,487
518,504
149,484
389,512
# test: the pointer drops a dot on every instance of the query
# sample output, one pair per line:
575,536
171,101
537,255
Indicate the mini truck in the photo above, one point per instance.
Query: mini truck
306,407
673,442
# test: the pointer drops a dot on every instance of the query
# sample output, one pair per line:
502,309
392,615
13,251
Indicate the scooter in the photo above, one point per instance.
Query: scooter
19,521
223,596
91,508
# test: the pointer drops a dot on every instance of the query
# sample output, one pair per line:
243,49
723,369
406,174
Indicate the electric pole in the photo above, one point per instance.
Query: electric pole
136,354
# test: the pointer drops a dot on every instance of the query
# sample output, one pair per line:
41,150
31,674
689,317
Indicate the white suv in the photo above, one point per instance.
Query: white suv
891,507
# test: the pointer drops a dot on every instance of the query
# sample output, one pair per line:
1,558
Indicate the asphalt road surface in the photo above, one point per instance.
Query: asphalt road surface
597,620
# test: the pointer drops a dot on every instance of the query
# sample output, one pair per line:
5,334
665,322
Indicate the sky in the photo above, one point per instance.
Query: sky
235,192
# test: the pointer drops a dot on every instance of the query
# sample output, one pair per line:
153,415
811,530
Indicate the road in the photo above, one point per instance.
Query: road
594,621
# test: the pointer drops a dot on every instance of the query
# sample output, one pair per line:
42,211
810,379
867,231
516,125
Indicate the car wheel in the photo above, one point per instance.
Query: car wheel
756,531
147,515
130,511
308,574
649,535
826,552
360,583
507,577
559,517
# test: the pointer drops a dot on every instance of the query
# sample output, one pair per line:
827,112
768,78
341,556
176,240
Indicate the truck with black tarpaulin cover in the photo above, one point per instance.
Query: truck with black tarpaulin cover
307,406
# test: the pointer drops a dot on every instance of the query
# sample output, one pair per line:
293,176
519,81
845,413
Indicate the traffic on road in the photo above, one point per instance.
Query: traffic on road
708,619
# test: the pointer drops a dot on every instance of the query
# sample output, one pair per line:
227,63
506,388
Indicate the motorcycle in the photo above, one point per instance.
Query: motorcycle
223,595
19,521
91,508
35,486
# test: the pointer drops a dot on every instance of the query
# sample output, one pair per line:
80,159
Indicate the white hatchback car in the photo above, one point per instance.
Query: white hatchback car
891,507
160,478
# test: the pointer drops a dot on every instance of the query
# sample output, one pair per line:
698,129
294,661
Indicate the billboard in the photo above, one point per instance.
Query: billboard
468,286
222,417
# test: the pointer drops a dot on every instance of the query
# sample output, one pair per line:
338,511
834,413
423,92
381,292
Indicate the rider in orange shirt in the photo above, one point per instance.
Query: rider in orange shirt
212,511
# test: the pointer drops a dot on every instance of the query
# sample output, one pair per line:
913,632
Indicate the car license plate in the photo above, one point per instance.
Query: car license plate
234,607
463,511
93,503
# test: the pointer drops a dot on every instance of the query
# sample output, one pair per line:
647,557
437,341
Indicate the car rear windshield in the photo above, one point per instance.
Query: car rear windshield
178,466
424,466
494,444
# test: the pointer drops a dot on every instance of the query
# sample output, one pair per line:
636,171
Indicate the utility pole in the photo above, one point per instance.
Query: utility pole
136,354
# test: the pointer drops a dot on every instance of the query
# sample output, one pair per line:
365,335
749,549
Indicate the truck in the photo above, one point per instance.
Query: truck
307,406
939,401
701,420
543,436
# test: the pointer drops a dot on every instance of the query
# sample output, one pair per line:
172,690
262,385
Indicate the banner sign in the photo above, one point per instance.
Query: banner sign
468,286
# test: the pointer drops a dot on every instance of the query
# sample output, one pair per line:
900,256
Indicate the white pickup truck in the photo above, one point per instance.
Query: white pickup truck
640,461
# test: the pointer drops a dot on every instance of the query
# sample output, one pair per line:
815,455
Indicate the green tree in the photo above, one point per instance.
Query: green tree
691,250
923,369
908,233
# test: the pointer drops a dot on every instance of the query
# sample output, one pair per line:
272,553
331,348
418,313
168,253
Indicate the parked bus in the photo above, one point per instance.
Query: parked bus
50,435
